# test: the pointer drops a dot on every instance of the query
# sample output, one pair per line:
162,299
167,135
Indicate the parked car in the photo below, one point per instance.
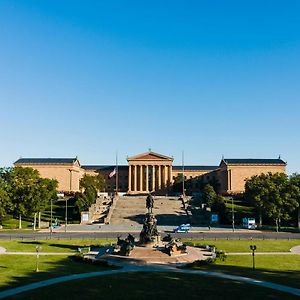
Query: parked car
182,228
249,223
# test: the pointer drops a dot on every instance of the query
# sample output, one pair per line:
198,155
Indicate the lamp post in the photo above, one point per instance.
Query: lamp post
232,212
253,248
183,177
66,215
51,222
37,249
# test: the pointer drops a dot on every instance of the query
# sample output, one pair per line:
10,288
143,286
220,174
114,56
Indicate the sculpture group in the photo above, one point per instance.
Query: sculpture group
150,237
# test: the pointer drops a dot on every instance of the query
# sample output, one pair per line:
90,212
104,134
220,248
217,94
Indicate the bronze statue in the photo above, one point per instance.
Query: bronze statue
126,246
149,203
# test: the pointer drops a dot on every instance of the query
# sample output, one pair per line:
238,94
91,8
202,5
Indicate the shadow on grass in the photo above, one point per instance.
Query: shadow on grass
154,286
24,268
288,278
31,243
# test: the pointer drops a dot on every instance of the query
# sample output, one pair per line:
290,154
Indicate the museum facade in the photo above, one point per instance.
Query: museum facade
153,172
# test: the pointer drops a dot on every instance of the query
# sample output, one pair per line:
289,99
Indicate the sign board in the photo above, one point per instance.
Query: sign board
214,218
84,217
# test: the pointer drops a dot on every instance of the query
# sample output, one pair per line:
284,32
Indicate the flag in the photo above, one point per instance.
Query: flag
113,173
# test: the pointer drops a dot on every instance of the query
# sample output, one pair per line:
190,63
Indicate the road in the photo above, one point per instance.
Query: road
113,235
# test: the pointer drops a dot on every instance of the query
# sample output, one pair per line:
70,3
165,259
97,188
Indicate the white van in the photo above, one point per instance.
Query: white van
249,223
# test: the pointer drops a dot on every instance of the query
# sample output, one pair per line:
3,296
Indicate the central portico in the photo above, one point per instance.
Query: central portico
149,172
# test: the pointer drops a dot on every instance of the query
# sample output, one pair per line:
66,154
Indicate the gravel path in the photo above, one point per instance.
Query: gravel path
296,250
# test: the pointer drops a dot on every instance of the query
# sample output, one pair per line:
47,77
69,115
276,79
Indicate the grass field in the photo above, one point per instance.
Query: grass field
243,245
20,269
154,286
17,270
50,245
72,245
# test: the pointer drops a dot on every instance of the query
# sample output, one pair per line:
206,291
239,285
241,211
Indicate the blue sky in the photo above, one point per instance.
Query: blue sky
90,78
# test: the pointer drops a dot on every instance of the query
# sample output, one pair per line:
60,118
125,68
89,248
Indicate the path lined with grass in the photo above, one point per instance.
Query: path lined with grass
130,269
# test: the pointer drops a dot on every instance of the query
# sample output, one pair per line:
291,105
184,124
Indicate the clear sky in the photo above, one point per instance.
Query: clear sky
211,78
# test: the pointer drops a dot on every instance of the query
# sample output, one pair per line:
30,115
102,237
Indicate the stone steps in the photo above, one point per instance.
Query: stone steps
132,210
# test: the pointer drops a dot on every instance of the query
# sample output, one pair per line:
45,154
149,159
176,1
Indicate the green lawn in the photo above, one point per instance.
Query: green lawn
284,269
72,245
17,270
50,245
243,245
154,286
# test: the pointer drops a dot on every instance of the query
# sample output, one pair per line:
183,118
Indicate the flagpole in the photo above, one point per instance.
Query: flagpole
117,174
183,192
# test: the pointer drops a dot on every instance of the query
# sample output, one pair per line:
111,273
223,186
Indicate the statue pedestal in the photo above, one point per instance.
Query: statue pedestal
156,242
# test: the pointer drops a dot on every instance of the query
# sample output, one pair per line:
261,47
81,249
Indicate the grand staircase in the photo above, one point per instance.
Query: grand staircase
132,209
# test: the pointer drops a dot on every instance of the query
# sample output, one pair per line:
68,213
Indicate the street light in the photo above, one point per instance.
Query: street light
232,212
51,222
253,248
37,249
66,215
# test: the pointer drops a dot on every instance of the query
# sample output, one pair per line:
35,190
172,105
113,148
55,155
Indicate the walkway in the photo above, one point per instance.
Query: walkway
129,269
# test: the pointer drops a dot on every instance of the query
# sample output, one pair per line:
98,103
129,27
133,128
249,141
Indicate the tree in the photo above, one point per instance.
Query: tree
5,204
177,185
91,185
214,182
215,202
86,199
208,194
97,182
28,192
295,187
273,194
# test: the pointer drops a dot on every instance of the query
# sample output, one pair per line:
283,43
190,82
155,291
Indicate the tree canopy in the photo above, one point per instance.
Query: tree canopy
97,182
274,195
24,191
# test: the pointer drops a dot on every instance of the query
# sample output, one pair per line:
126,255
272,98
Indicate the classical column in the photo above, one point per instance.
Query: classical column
159,177
165,176
135,178
170,175
153,178
129,179
147,178
141,178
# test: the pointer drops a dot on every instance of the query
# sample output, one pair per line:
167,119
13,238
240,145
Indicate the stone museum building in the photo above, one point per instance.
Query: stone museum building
153,172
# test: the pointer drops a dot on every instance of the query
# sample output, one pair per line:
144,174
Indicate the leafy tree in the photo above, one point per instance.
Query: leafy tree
177,184
215,202
86,199
295,187
5,204
273,194
214,182
97,182
28,192
208,195
90,186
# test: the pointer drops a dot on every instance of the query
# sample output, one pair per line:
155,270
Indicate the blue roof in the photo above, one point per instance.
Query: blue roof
47,161
253,161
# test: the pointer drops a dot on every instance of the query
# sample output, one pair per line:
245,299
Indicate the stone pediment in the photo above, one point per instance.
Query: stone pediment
150,156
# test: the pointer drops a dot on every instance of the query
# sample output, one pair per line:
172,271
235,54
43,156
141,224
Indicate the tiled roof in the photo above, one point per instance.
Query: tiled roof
47,161
195,168
253,161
